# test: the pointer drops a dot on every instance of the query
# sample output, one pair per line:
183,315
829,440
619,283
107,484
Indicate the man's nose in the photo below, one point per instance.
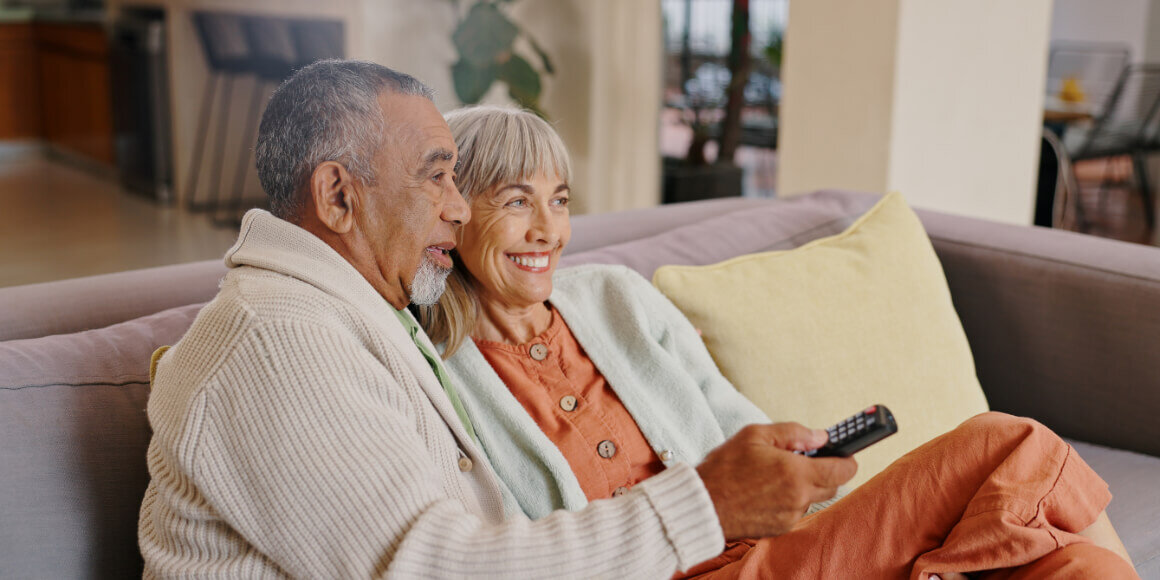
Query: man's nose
455,209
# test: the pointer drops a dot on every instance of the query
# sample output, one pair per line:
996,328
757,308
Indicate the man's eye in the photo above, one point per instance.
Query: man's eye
438,177
561,201
517,203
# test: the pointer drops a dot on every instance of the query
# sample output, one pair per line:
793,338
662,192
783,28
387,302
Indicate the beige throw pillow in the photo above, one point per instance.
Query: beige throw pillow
816,333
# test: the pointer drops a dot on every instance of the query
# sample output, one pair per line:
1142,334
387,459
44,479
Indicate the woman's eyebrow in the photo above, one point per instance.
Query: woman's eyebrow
528,189
522,187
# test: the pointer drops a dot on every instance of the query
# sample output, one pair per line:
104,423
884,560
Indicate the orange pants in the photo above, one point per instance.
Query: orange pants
999,495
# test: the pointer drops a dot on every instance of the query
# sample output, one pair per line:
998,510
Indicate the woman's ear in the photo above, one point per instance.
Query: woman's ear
332,194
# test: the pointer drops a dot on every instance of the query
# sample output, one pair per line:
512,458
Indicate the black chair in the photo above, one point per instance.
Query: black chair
1126,126
1057,203
267,50
227,54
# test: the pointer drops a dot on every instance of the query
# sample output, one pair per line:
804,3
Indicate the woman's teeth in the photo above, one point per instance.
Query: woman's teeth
537,262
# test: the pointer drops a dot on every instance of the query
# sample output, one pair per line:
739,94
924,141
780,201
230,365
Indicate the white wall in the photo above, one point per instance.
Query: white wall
968,105
939,99
1123,21
837,95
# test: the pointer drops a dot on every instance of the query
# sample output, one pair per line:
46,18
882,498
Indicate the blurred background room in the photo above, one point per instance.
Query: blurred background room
127,126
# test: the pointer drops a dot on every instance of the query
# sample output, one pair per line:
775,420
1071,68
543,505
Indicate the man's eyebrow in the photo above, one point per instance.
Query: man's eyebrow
435,156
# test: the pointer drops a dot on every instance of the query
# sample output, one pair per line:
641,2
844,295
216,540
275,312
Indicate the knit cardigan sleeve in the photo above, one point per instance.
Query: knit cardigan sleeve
308,453
652,313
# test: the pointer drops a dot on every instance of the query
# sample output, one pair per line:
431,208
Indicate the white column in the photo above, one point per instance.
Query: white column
939,99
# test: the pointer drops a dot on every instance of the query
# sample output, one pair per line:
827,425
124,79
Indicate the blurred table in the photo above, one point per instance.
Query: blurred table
1056,111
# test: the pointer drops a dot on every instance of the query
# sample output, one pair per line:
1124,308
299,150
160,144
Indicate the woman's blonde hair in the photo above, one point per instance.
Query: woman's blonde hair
497,146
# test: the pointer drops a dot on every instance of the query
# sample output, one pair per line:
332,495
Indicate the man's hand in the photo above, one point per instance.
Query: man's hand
760,487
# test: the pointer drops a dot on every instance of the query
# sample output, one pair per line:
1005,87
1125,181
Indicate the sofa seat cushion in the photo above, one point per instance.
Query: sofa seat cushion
73,438
816,333
1135,509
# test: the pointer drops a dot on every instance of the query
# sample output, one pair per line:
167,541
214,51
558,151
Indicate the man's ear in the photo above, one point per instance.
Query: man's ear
332,194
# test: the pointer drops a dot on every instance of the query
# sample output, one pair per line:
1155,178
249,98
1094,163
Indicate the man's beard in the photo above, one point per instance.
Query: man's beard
429,283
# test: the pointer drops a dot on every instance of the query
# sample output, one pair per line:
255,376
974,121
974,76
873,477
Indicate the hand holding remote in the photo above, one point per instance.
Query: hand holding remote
857,432
760,483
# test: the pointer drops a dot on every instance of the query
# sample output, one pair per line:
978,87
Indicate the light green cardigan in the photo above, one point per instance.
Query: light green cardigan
651,356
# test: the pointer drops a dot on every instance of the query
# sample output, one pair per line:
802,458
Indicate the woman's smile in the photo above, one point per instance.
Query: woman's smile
536,262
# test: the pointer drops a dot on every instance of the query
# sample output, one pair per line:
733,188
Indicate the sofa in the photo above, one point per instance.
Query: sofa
1064,328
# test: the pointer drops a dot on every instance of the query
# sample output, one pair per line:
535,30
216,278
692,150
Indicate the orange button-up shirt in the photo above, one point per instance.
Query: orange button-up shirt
556,382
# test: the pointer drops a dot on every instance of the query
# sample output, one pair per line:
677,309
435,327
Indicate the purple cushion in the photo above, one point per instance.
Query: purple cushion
73,436
778,225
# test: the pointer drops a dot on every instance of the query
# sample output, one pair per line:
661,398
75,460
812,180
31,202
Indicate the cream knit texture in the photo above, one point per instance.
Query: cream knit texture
298,432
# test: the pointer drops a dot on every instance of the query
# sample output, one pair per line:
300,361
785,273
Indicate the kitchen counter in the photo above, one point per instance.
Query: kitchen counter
22,14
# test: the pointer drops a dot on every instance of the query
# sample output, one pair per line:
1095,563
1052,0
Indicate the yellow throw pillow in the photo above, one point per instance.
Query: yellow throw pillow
816,333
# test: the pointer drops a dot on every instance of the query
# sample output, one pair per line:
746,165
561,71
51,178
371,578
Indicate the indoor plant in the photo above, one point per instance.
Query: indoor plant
485,39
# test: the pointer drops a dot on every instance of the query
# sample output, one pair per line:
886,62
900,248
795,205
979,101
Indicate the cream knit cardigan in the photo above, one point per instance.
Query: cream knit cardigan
298,432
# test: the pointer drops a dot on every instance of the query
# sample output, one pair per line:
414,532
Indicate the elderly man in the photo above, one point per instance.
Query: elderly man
304,427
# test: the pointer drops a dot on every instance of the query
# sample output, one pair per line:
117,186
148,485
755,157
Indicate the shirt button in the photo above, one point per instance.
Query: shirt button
666,455
539,351
606,449
464,464
567,403
619,491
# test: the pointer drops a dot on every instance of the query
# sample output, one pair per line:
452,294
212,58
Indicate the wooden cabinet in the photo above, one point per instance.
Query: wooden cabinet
76,102
19,84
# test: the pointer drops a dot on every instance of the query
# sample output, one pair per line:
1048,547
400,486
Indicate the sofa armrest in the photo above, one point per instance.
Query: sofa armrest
1065,328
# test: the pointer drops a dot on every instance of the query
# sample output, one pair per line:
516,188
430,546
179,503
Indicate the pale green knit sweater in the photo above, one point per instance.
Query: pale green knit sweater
299,432
651,356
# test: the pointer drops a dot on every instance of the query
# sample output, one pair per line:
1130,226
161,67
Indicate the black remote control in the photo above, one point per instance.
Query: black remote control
857,433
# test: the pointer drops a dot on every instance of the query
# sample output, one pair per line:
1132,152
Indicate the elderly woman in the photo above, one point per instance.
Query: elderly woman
585,381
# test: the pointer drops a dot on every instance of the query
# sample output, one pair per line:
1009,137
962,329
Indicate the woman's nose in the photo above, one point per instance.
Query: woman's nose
544,229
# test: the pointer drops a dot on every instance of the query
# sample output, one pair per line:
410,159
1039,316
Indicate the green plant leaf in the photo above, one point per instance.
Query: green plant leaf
471,82
548,68
522,80
484,34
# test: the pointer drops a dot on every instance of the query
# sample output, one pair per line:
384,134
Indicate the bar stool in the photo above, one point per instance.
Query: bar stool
268,50
227,54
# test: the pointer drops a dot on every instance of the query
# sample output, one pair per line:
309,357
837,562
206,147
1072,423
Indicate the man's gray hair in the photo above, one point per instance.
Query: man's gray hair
326,111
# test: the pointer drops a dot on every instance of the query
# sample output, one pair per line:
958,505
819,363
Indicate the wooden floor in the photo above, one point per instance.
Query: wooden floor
63,220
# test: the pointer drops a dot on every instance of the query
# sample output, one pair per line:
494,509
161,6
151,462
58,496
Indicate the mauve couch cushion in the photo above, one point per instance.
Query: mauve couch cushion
78,304
598,230
783,225
73,437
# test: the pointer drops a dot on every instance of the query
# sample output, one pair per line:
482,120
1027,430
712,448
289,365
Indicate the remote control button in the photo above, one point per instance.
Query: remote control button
872,409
